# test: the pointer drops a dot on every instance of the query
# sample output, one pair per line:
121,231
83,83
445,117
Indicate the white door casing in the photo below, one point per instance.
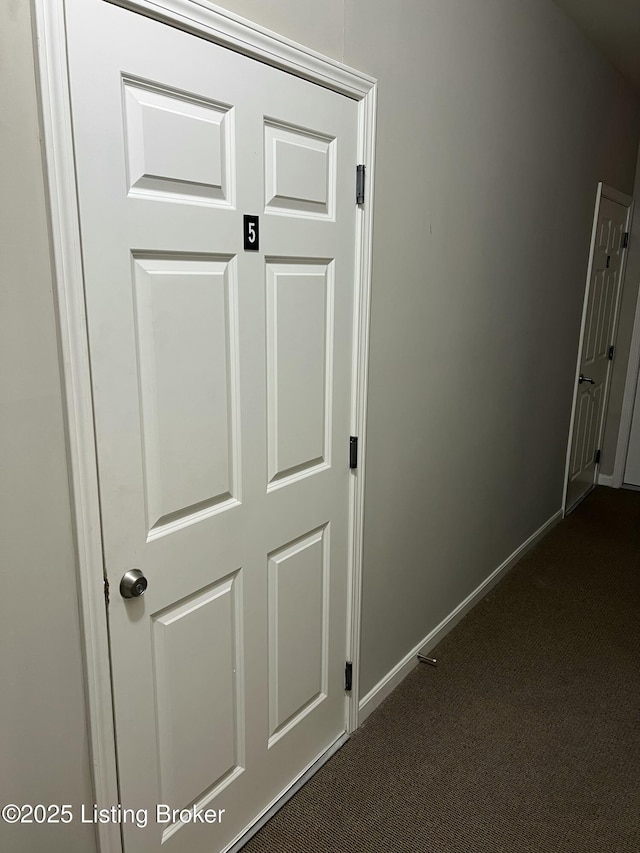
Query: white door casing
631,475
598,335
180,344
626,468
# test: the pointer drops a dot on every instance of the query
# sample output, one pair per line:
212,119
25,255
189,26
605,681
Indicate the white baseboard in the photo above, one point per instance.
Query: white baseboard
400,671
608,480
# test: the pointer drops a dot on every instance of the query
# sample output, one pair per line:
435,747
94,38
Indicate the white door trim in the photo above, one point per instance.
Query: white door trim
603,191
628,399
222,27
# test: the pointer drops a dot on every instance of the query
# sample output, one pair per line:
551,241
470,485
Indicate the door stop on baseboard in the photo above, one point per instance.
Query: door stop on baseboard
425,659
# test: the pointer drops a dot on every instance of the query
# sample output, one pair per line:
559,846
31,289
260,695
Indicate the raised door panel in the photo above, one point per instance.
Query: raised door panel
300,172
198,676
186,321
178,145
298,630
299,368
592,435
594,314
581,427
607,314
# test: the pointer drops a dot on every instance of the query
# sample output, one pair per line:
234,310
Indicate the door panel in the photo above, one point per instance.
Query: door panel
222,387
602,301
198,707
300,172
178,147
298,630
186,322
300,308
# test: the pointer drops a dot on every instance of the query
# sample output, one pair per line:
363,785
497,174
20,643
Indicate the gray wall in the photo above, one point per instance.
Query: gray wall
43,738
496,121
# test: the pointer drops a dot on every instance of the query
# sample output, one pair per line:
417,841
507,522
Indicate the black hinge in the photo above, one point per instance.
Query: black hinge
625,240
608,261
596,458
360,184
106,591
348,676
353,451
612,349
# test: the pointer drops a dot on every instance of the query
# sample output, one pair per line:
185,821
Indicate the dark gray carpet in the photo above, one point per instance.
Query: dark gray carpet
525,739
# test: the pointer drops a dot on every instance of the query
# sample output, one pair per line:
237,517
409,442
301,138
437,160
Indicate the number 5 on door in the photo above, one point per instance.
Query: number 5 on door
251,233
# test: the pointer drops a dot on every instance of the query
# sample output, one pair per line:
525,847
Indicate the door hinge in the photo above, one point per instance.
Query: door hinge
106,591
625,240
360,184
348,676
608,261
612,349
596,458
353,451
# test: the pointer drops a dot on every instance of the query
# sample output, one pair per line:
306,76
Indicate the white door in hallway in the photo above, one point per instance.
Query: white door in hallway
221,382
598,338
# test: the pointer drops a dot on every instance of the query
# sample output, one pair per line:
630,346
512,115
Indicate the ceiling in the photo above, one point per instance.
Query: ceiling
614,27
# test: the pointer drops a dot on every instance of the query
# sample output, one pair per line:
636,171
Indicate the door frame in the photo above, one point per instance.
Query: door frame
602,191
224,28
616,479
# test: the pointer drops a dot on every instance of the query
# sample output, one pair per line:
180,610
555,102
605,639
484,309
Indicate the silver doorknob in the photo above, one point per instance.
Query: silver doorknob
582,378
133,584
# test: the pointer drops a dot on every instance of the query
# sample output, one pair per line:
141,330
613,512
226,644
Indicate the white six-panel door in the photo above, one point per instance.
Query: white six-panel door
602,301
221,385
